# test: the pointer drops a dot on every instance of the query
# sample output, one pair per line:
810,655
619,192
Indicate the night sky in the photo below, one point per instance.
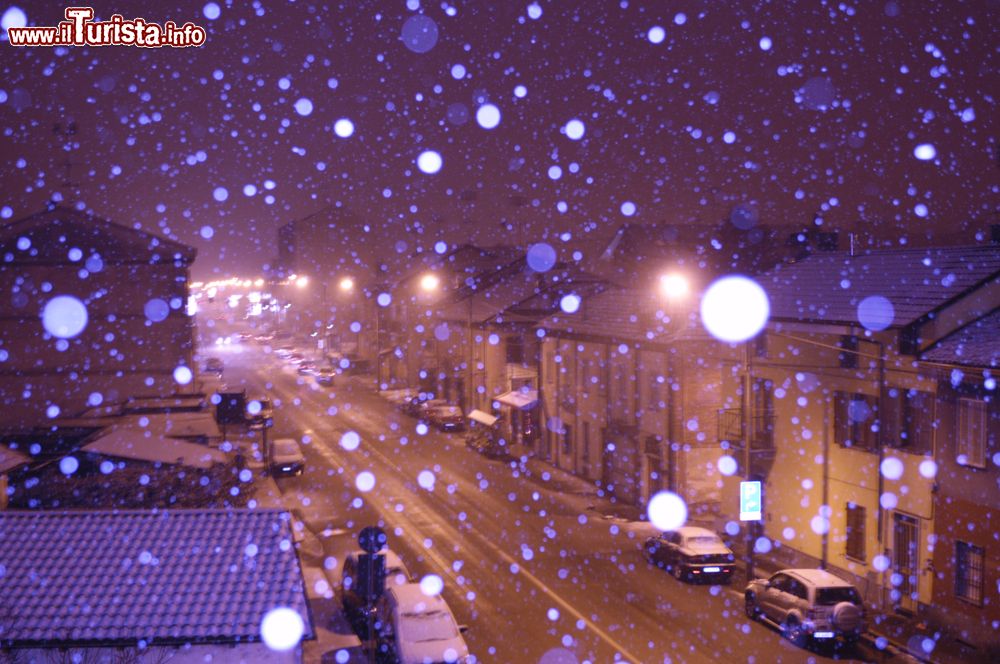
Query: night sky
778,112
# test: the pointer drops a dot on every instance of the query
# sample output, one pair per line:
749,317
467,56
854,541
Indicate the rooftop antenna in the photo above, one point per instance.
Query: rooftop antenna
851,237
66,131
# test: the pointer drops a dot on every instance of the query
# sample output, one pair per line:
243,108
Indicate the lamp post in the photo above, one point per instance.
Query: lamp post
673,287
429,284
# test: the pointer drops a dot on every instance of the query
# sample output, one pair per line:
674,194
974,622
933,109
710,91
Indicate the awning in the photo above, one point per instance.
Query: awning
483,418
520,399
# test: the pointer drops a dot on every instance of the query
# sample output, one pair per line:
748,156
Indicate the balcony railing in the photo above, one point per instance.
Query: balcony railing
761,428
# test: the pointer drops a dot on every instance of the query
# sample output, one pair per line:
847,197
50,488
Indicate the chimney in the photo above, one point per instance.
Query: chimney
995,233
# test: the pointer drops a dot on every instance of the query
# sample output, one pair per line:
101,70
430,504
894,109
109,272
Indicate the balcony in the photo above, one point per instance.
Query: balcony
761,429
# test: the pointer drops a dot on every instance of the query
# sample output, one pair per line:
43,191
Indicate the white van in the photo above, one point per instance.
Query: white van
417,628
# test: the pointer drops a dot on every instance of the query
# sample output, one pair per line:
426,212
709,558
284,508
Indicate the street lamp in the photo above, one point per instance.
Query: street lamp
347,284
429,282
674,286
302,282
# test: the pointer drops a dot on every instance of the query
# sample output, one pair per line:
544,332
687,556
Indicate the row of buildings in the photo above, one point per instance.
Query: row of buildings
866,406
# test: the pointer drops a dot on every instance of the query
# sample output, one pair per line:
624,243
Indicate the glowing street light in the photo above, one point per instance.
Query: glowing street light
302,282
674,286
347,284
429,283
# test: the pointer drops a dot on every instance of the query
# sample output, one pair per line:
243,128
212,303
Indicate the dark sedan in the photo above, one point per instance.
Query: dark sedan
691,553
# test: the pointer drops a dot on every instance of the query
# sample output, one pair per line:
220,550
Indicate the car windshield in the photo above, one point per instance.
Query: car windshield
828,596
421,627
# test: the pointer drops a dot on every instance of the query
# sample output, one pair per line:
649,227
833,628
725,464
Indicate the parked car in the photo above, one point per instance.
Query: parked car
352,600
445,417
414,627
306,368
284,352
287,457
324,376
807,604
214,365
296,358
414,407
260,414
691,553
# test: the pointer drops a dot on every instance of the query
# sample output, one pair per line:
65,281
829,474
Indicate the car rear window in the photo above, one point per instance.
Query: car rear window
837,595
285,447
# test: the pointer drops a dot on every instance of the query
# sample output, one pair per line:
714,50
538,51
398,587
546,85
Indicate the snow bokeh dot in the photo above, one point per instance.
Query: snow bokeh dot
304,107
350,441
282,629
892,468
727,465
656,34
925,152
488,116
541,257
575,129
343,128
431,585
426,479
429,162
64,316
419,33
735,309
570,304
68,465
876,313
182,375
365,481
211,11
667,511
13,17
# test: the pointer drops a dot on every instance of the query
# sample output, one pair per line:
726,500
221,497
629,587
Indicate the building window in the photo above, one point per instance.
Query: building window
855,547
971,447
969,572
515,349
854,420
909,420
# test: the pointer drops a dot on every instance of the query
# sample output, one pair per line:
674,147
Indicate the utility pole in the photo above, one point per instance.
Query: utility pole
747,439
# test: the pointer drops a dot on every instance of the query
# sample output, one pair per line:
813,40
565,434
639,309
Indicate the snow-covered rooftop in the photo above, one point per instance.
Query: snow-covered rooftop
169,576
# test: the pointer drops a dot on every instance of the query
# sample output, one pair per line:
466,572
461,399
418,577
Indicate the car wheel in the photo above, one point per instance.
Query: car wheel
753,612
678,571
793,630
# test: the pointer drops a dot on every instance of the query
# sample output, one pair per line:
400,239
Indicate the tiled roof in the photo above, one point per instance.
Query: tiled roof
622,315
168,576
828,287
977,344
524,291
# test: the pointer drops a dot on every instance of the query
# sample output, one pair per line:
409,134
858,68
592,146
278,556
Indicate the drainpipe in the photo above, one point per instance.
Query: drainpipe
879,439
826,485
671,405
